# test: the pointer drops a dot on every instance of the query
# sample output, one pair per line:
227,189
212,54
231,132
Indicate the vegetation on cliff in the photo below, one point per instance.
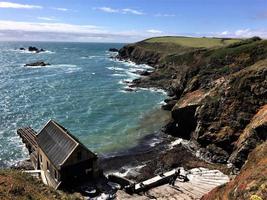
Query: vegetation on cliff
251,183
15,185
217,91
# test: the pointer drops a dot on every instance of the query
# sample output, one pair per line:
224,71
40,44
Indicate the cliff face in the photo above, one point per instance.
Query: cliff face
215,92
251,183
218,97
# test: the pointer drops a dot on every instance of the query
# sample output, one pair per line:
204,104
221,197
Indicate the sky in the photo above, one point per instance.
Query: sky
129,20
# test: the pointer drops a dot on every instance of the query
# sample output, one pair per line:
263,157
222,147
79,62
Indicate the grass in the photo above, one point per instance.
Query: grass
194,42
15,185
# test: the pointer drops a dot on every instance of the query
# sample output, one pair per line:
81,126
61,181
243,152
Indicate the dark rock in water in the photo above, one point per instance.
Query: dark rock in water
169,105
22,49
38,63
129,89
35,49
113,50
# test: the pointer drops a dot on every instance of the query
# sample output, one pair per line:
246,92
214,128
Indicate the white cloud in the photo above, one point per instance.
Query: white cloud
132,11
61,9
242,33
108,10
225,33
47,18
49,27
120,11
52,31
154,31
164,15
5,4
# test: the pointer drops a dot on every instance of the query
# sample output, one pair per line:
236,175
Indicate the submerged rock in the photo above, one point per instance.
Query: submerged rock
38,63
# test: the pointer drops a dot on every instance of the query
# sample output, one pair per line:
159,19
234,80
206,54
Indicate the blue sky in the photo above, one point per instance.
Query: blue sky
130,20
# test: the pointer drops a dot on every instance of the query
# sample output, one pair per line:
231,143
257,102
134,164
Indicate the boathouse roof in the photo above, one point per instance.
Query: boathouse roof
57,143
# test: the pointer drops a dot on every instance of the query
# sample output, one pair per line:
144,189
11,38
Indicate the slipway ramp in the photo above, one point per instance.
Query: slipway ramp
200,181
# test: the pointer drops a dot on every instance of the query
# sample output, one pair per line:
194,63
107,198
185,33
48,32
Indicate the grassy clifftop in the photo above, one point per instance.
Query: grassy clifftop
15,185
194,42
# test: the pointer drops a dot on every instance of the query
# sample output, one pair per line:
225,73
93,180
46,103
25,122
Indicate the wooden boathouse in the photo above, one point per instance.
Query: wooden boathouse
60,156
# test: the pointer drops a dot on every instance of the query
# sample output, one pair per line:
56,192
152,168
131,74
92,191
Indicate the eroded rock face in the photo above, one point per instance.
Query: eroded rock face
139,55
254,134
217,92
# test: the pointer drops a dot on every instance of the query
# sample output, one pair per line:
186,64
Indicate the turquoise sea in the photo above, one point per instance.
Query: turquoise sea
82,89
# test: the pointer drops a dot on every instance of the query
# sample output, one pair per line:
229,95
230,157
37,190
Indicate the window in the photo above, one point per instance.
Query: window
79,155
47,166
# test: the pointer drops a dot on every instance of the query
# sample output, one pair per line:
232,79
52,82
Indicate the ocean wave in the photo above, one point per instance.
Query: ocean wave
90,57
129,63
162,103
132,75
127,170
47,52
155,90
31,52
119,75
116,68
67,68
125,81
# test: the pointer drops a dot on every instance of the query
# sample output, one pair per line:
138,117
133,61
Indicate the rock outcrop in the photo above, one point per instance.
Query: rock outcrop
113,50
38,63
35,49
32,49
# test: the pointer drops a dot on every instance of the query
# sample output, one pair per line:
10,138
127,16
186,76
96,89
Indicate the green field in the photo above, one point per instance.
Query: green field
194,42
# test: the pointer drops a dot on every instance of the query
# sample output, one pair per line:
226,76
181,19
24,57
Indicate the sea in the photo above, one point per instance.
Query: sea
84,89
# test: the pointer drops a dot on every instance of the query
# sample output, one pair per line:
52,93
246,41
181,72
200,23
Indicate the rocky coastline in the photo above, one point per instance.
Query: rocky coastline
217,96
217,101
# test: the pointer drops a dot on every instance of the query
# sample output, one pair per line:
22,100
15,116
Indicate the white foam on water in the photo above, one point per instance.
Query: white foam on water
68,68
118,75
177,142
132,75
115,68
47,52
90,57
31,52
155,90
162,103
154,142
127,170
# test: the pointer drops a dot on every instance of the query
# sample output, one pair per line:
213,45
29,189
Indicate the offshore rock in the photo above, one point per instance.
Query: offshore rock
38,63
